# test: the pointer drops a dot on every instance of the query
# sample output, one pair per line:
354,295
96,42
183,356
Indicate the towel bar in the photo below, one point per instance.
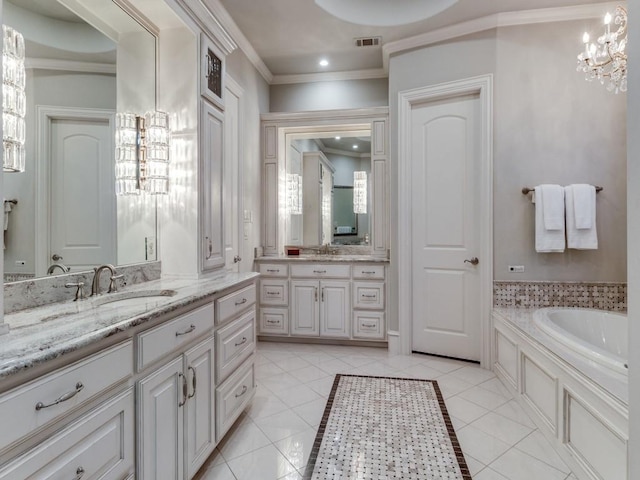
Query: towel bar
527,190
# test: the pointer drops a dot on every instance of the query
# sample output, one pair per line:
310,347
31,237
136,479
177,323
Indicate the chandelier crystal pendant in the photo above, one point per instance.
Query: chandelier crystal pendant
14,103
606,59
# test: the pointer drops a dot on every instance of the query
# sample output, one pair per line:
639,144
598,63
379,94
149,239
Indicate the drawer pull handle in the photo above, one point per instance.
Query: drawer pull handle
187,331
184,390
210,245
273,322
193,381
242,342
79,473
271,270
369,325
62,398
368,296
273,294
244,390
368,272
242,302
319,271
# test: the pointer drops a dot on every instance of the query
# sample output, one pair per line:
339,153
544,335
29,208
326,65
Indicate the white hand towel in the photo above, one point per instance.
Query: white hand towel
580,238
548,240
553,205
584,203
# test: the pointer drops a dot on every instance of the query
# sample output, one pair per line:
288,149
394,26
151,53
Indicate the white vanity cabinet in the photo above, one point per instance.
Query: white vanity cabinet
176,423
337,300
98,443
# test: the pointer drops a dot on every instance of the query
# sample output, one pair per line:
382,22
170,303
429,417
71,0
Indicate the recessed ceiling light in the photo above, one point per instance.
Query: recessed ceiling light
324,62
338,138
355,146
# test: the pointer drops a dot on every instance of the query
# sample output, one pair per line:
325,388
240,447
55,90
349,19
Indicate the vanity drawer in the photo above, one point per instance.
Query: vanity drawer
154,344
274,321
274,292
233,395
368,271
29,407
100,444
274,270
368,295
321,271
368,325
230,305
234,343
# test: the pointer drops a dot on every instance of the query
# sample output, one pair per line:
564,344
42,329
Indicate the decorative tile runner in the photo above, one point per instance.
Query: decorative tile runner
381,428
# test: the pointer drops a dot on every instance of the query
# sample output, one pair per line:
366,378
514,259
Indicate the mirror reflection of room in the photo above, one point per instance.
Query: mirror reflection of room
327,189
78,74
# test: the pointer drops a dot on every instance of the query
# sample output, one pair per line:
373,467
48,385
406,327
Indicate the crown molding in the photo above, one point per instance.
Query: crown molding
346,153
506,19
355,114
221,14
203,17
69,65
329,76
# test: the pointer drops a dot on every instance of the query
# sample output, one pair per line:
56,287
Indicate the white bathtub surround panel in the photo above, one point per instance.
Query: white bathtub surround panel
581,217
45,290
589,402
549,228
599,295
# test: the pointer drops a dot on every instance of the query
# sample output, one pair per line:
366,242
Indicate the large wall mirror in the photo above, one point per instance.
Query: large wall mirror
325,180
85,60
323,173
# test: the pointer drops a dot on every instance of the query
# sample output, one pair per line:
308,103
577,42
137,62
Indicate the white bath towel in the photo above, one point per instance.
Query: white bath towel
549,239
580,205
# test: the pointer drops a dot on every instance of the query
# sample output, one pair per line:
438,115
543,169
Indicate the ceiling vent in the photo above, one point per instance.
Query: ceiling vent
368,41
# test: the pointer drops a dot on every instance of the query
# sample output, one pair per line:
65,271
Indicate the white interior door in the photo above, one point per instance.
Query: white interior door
231,185
82,204
445,156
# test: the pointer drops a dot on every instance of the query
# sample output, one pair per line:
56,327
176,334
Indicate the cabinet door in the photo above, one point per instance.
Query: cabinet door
160,423
199,436
231,188
211,163
335,308
304,307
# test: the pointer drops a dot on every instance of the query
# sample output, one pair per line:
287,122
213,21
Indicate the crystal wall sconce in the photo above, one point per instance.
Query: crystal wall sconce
360,192
14,103
142,153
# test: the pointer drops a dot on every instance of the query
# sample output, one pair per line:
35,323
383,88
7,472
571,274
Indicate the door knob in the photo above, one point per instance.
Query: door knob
473,261
55,257
237,259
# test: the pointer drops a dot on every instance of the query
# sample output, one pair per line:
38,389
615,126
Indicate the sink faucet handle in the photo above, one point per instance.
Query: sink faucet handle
80,295
113,286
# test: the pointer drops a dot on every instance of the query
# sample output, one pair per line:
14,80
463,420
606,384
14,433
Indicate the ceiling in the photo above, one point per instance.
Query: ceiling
291,36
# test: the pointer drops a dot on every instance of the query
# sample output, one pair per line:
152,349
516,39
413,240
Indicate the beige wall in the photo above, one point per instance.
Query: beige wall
633,219
301,97
551,126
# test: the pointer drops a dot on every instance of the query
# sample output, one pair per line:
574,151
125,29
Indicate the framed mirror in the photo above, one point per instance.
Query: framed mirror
85,60
301,150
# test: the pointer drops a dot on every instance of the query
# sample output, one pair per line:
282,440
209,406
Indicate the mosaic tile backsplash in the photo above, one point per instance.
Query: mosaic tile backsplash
601,295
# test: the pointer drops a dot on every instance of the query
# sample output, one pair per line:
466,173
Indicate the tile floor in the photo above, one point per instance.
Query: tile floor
273,437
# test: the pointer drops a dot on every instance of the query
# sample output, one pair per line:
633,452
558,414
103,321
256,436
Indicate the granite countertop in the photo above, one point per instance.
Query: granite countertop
44,333
614,382
321,258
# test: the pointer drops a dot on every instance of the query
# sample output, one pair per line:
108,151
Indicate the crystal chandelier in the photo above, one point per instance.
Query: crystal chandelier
606,59
14,102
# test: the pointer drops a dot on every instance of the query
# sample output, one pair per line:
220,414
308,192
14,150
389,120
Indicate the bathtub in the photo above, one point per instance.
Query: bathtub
566,368
599,335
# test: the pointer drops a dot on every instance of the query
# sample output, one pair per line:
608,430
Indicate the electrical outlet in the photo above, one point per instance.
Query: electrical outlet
516,268
150,248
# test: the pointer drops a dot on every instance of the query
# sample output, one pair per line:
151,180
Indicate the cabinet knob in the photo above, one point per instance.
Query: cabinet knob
79,473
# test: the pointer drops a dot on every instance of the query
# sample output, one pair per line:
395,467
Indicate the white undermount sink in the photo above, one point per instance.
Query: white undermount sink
130,299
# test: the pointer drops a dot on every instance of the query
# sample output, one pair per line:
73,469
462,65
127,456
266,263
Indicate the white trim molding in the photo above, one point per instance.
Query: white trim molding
330,76
505,19
482,86
69,65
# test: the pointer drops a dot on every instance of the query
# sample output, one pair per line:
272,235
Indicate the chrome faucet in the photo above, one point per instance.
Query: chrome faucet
61,266
95,285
